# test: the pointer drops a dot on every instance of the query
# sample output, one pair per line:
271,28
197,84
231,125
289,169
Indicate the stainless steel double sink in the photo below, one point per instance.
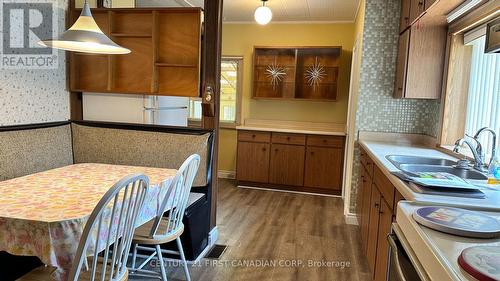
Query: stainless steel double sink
416,164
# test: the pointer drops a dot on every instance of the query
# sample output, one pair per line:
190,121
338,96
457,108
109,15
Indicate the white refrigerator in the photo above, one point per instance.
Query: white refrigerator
142,109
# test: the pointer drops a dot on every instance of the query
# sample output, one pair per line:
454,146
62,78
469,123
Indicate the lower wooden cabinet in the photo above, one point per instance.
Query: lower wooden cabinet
324,167
365,197
287,164
378,202
371,249
299,162
253,163
384,228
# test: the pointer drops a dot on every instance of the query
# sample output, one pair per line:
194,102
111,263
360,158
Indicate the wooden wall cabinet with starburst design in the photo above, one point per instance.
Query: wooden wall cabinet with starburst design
296,73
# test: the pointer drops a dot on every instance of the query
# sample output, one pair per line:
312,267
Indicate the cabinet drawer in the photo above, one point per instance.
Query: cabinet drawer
328,141
289,138
254,136
384,185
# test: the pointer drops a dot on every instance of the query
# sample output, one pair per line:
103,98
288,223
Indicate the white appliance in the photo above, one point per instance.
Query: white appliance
142,109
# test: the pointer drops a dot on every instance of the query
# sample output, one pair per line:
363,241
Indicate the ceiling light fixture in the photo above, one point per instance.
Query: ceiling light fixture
263,15
85,37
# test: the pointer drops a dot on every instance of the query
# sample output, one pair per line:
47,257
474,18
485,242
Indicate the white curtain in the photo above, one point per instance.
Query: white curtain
483,107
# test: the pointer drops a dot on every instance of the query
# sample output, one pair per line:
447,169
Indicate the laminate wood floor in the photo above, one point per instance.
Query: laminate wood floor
280,236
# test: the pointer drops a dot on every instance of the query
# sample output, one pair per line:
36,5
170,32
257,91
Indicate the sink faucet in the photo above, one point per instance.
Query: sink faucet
493,145
478,161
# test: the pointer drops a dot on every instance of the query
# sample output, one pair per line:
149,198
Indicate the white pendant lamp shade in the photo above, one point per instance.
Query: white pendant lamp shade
85,37
263,15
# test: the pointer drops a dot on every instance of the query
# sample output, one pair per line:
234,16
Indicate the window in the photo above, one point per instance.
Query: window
230,96
472,93
483,103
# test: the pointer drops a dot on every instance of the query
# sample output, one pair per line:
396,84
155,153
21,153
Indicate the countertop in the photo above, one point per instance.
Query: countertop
294,127
379,150
292,130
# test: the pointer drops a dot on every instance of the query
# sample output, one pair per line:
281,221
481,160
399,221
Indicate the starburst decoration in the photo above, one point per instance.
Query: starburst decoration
315,73
276,73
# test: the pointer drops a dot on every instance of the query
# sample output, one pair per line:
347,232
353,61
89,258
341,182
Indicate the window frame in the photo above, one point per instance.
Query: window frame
457,67
239,95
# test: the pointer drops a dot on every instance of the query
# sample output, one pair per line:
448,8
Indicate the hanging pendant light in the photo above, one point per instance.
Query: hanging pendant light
263,15
85,37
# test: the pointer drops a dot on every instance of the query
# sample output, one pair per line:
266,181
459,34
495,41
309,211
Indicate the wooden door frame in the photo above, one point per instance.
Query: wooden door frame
351,136
211,65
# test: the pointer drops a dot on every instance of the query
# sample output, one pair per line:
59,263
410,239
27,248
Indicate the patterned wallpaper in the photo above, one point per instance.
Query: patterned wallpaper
377,110
32,95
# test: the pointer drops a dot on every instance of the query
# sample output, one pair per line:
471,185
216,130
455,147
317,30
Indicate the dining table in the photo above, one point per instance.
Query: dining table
44,214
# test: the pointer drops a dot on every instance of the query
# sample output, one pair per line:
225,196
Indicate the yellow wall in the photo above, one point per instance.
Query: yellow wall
240,39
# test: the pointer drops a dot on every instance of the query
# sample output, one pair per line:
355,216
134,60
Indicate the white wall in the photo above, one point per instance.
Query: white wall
35,96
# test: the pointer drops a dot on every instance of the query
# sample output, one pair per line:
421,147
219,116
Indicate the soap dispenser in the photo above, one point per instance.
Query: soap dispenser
494,170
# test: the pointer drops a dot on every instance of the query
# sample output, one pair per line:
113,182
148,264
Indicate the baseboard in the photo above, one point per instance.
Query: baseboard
351,219
226,174
289,191
213,236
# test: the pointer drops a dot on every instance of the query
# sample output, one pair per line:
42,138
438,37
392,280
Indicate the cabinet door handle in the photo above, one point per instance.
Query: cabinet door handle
312,152
275,150
264,149
376,205
287,138
253,136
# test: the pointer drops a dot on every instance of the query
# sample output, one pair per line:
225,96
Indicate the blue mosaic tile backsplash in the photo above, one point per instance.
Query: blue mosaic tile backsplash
377,110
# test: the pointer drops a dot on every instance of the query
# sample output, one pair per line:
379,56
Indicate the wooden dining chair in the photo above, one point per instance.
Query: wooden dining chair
166,228
114,219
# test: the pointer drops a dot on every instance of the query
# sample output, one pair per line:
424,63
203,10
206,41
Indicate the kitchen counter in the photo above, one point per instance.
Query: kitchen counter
294,127
378,150
290,130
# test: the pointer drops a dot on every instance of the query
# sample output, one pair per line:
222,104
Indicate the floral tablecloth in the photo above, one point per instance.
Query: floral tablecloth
44,214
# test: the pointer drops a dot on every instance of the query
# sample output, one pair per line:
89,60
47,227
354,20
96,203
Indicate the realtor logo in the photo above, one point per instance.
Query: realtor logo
24,24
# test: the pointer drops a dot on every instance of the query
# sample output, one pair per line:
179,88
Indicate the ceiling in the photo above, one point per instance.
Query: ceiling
293,10
283,10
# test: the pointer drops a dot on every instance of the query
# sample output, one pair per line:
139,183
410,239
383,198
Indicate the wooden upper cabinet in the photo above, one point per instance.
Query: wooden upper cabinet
287,164
405,15
325,63
417,8
420,62
305,73
274,73
253,162
401,64
178,58
165,57
425,65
